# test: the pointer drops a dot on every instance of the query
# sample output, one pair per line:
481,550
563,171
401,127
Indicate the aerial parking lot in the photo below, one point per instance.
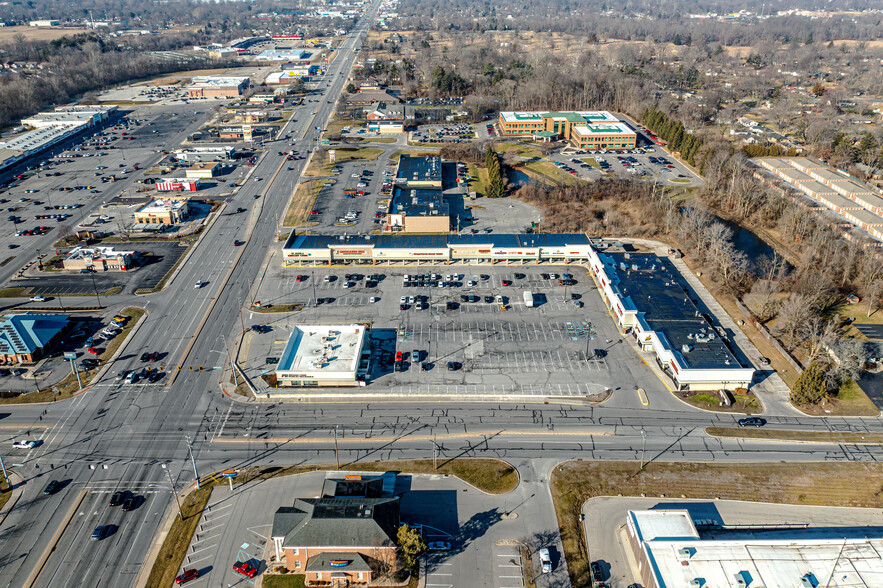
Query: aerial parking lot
467,333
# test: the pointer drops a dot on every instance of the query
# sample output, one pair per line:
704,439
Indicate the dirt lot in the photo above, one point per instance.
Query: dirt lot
7,34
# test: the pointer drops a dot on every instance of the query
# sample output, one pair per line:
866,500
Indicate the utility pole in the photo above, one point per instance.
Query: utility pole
336,451
192,460
172,486
76,373
434,453
643,447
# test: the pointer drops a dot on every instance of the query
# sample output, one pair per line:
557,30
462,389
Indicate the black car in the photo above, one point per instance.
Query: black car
489,299
464,298
130,503
403,307
145,356
51,487
597,573
154,356
752,422
117,498
453,366
426,366
154,376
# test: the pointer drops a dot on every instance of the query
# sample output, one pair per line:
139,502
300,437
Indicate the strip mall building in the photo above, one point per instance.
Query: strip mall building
307,250
584,130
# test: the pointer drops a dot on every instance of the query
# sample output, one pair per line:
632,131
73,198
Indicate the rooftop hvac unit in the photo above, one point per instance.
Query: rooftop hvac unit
684,552
686,348
635,267
740,580
697,582
808,581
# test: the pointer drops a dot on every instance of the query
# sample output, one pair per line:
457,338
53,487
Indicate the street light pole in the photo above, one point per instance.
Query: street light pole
172,486
643,447
94,287
192,460
336,452
5,475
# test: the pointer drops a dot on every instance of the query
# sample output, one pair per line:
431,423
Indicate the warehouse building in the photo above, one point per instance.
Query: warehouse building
217,87
501,249
104,259
419,172
289,74
648,299
670,553
282,54
585,129
324,355
857,203
164,211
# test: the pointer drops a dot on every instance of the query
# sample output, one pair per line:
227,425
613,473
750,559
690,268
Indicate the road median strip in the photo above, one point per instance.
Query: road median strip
785,435
410,438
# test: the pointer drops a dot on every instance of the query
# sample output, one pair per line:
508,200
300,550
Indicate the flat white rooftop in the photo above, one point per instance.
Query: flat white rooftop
663,524
834,563
165,204
604,128
323,350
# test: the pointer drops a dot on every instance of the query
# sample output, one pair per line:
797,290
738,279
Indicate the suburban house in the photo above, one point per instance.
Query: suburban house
25,337
339,540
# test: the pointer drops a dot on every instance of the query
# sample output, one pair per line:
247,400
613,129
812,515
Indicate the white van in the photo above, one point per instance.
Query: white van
545,560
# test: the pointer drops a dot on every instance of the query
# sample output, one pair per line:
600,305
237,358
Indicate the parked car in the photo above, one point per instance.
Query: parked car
545,560
38,299
246,568
597,573
439,546
25,444
186,576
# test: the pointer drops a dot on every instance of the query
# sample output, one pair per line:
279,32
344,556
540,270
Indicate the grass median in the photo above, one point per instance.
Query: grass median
69,386
830,484
786,435
489,475
321,164
301,203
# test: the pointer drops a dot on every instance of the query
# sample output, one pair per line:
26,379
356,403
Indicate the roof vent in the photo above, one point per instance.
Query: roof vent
685,552
697,582
686,348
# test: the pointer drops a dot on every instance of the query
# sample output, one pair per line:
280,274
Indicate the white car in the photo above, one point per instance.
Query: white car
403,300
374,299
38,299
25,444
199,284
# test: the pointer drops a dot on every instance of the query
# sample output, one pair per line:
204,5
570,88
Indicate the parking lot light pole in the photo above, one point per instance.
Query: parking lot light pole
336,452
643,447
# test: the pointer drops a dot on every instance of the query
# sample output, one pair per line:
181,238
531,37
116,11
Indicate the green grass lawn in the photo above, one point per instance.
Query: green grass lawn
548,173
520,148
302,203
478,183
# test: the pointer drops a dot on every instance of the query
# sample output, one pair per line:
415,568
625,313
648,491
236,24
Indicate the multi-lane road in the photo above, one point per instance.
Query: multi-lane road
118,436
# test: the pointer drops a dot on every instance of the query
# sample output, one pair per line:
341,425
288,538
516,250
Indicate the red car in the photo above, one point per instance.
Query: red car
93,350
245,568
398,356
299,278
186,576
507,283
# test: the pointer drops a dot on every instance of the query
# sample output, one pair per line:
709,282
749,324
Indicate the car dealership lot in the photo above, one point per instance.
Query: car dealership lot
466,343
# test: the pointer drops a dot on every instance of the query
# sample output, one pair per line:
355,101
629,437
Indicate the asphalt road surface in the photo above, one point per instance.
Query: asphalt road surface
118,436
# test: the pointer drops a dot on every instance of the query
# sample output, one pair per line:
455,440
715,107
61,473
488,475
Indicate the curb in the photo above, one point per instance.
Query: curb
53,542
16,494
